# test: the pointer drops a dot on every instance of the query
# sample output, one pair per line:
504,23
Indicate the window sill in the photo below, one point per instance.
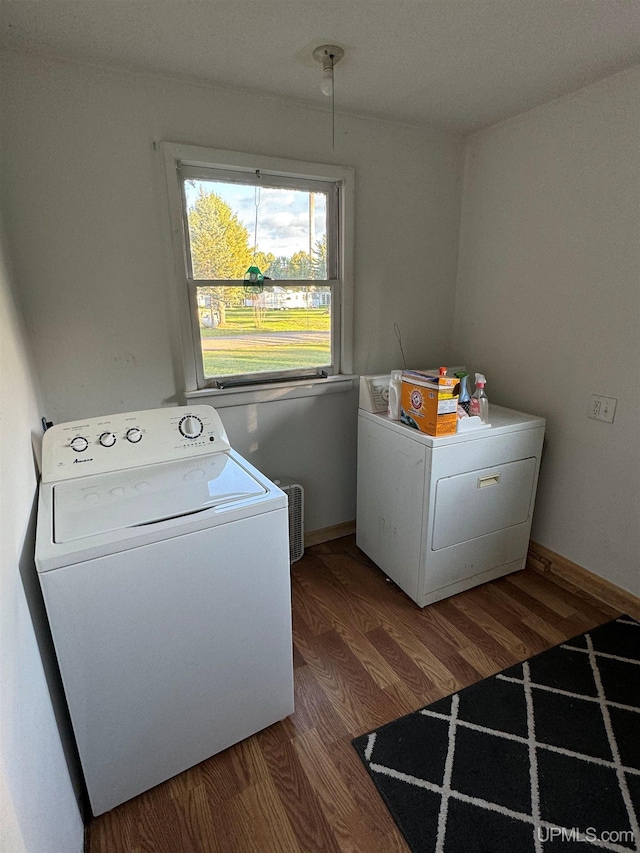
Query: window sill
223,397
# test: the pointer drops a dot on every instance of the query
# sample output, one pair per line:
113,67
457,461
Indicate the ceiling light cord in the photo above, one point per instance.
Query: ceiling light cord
333,107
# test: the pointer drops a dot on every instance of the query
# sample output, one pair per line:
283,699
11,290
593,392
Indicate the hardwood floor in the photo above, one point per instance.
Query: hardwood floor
364,654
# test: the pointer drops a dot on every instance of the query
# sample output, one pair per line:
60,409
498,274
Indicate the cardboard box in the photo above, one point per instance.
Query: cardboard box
430,402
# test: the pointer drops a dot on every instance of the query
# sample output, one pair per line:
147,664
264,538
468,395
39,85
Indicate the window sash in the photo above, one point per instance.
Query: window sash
331,190
329,369
267,179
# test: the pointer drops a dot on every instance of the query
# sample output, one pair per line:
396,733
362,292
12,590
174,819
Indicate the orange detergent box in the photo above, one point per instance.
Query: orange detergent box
429,401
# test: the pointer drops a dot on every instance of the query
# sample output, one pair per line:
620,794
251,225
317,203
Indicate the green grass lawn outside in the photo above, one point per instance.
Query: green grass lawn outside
231,362
239,320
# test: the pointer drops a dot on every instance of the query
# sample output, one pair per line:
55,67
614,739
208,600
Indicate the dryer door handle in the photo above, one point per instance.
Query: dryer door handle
489,480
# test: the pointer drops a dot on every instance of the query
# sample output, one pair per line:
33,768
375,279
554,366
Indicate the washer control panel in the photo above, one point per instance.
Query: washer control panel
116,442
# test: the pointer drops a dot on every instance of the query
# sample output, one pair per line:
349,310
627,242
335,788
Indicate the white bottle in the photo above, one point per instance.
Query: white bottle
479,401
395,391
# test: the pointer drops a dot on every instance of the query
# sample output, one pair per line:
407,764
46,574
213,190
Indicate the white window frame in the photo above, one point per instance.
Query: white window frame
179,157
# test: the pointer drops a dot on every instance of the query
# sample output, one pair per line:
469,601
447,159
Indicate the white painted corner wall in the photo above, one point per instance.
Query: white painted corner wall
548,305
38,810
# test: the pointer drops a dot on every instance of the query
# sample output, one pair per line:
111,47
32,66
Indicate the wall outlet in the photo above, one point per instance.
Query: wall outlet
602,408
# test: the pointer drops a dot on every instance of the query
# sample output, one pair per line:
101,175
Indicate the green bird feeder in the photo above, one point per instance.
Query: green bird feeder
253,280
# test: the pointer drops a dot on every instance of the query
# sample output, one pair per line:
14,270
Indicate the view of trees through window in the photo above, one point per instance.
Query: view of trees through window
283,232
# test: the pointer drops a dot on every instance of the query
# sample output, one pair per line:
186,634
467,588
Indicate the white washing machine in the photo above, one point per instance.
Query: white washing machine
441,515
163,558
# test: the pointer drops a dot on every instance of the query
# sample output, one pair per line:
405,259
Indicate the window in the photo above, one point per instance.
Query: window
262,264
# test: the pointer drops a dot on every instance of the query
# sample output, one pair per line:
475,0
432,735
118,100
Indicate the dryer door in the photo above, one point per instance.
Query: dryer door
484,501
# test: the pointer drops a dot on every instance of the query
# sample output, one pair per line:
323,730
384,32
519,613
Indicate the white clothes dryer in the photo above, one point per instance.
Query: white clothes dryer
442,515
163,558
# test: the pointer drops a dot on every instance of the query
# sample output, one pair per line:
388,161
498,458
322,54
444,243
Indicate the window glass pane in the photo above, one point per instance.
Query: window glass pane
234,225
283,328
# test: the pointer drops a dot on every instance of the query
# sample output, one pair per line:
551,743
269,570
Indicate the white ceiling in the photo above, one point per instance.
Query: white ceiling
462,63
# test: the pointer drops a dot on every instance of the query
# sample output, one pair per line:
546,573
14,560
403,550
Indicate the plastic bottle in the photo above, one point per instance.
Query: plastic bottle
479,400
395,390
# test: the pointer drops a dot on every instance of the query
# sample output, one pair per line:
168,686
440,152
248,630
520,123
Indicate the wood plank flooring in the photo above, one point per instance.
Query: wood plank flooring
364,654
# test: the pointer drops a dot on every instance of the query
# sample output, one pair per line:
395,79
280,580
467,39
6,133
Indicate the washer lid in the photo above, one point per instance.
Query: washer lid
138,496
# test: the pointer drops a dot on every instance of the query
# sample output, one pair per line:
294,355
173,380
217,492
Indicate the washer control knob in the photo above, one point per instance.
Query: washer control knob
107,439
191,426
133,435
79,443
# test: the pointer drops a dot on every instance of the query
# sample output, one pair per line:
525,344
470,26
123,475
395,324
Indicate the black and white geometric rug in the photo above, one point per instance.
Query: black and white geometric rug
543,757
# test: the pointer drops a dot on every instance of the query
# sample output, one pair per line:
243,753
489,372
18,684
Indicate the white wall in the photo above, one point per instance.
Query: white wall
548,305
38,811
88,232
